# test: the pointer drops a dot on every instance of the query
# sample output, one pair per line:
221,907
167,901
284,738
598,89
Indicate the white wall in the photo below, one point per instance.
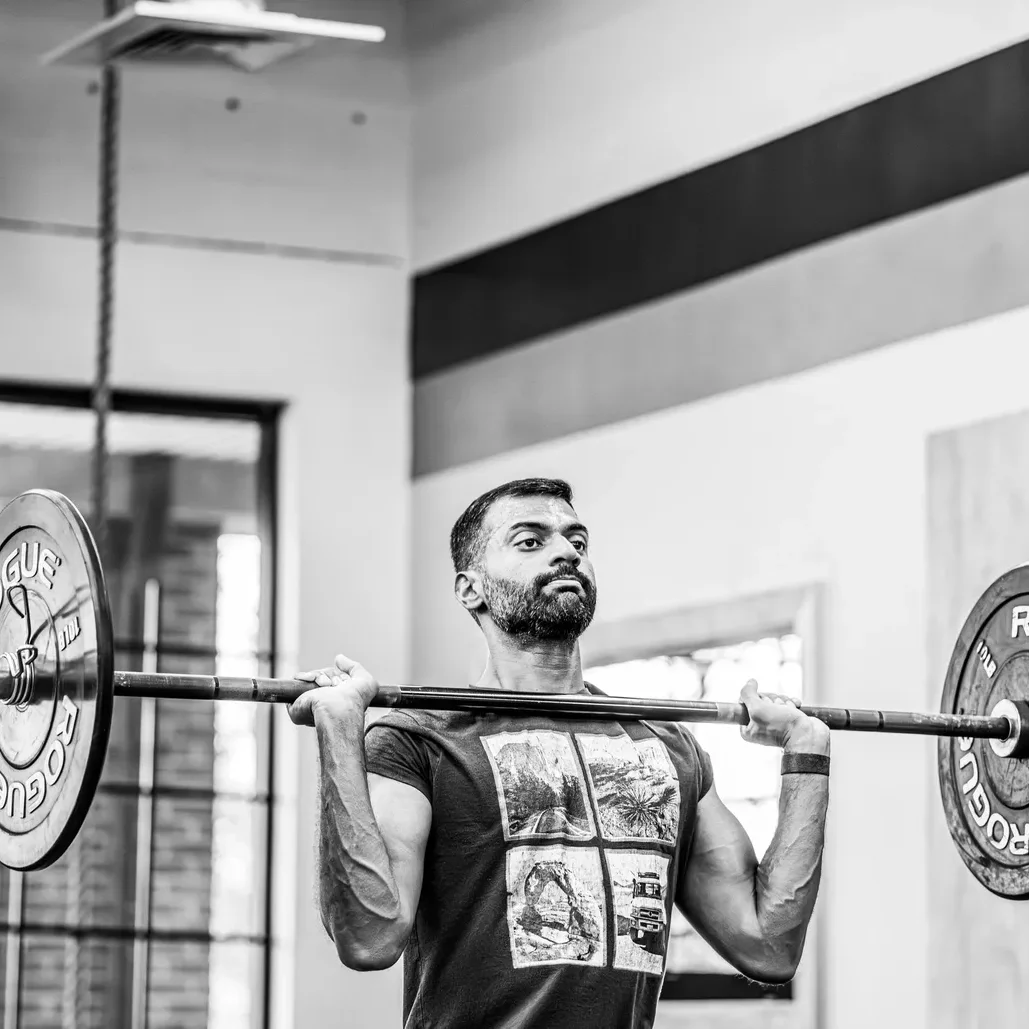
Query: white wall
815,478
529,111
325,332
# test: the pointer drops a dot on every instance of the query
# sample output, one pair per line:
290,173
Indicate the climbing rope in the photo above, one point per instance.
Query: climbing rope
107,221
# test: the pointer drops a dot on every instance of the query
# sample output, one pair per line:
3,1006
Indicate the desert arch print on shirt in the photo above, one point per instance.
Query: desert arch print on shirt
556,909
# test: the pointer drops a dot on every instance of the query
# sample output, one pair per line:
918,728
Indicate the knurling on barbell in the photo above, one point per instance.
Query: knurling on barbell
58,683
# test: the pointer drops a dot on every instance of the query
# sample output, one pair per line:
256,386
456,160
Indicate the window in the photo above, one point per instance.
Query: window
747,775
157,917
671,656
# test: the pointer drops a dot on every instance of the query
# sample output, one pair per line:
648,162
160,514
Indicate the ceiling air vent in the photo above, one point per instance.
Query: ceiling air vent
239,32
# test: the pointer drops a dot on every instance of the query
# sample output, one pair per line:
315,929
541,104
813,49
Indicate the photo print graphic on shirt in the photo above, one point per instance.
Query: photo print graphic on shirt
639,890
540,786
635,787
556,914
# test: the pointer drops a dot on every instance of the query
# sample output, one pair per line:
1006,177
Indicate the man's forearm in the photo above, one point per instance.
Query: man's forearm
788,875
360,903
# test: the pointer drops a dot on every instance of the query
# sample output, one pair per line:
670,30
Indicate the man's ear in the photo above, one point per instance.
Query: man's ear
468,590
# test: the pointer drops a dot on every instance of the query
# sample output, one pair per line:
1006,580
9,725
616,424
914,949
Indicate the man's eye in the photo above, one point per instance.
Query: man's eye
579,545
528,539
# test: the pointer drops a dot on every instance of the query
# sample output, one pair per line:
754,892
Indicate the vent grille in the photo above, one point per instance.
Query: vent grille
193,30
249,50
174,42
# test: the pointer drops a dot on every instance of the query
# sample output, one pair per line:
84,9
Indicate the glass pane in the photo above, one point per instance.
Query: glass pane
237,980
758,815
218,746
747,775
9,950
241,730
209,865
238,602
45,447
240,846
68,982
666,677
7,916
205,986
8,946
226,741
189,585
212,746
185,742
121,766
93,883
688,951
241,747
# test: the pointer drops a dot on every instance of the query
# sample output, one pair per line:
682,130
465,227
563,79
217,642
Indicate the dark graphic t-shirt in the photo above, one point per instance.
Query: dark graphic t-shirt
551,866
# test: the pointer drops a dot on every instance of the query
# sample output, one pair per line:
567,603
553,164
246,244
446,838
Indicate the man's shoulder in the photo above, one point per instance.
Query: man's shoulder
412,720
676,734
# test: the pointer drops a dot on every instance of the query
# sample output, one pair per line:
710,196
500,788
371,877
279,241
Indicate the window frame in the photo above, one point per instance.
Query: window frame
266,414
695,627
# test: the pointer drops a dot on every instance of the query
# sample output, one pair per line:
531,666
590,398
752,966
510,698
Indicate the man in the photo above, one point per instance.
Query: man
526,866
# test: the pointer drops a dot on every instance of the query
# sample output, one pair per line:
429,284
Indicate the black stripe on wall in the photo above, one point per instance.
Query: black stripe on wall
939,139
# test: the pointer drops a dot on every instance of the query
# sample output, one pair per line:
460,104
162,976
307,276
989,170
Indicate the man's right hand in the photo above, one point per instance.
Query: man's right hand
342,690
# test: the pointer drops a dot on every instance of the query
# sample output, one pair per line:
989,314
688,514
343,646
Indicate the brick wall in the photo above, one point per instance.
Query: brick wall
88,984
181,895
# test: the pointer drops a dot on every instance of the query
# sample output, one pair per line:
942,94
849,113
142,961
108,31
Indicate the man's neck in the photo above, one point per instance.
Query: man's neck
538,666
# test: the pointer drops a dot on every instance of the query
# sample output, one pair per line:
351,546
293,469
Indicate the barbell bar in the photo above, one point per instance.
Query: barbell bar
1003,727
58,683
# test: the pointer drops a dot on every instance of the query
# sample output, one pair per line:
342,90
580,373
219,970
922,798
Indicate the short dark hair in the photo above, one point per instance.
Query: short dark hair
466,537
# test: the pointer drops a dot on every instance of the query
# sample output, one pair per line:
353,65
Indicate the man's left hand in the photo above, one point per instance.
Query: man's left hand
776,721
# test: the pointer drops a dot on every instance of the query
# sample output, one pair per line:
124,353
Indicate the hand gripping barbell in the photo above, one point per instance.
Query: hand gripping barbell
58,683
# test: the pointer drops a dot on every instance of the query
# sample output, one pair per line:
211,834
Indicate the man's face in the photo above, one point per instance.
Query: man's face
537,577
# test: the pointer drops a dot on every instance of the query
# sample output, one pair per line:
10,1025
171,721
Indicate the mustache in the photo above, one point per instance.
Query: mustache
567,573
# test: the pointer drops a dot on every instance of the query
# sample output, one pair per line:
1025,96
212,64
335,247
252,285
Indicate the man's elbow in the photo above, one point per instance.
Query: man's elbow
771,965
375,958
777,973
373,955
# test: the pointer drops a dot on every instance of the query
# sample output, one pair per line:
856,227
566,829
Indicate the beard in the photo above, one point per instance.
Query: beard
524,611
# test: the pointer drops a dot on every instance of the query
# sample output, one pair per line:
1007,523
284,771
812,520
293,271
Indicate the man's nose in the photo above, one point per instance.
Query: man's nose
564,552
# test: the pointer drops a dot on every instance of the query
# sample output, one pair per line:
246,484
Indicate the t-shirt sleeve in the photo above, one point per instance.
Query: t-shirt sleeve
399,754
707,775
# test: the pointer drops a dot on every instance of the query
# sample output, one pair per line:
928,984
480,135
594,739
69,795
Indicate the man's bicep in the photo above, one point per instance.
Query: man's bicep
716,891
404,817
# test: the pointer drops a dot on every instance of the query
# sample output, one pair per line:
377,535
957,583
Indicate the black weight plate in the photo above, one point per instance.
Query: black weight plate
56,677
986,797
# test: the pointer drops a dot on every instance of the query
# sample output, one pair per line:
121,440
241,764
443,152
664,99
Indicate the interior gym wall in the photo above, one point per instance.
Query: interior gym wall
828,241
530,112
814,478
264,255
777,473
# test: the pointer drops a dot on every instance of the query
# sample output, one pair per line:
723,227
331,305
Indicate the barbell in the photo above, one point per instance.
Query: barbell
58,684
